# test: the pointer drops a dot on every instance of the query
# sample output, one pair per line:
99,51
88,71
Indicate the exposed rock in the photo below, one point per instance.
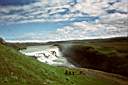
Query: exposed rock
2,41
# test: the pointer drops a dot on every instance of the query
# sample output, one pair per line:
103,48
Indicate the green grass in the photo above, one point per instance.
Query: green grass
18,69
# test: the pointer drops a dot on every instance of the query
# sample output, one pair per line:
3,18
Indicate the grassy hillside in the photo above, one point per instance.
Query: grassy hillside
17,69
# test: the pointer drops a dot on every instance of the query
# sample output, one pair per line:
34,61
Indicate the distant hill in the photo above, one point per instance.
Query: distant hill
109,55
18,69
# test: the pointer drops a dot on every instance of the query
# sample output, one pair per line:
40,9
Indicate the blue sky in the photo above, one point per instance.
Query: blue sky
48,20
16,2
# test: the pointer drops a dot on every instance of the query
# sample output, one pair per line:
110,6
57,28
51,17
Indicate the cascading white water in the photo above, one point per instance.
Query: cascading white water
48,54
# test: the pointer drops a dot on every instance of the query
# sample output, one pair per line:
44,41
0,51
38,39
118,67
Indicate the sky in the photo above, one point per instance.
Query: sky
56,20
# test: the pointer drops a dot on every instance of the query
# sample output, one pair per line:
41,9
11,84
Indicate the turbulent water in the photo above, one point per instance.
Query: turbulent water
48,54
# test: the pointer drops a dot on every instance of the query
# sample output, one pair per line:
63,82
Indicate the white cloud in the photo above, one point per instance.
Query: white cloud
92,7
59,10
109,24
122,6
81,30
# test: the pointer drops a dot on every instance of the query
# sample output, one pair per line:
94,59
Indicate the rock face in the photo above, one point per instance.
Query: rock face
2,41
85,56
89,57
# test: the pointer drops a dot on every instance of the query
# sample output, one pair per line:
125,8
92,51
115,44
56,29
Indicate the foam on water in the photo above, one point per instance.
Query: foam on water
48,54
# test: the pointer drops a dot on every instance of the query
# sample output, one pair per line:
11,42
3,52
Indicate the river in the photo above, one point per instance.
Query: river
48,54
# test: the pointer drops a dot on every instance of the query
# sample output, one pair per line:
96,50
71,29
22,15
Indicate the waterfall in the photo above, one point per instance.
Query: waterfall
47,54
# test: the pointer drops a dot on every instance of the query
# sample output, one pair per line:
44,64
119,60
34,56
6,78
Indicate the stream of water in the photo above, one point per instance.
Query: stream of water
47,54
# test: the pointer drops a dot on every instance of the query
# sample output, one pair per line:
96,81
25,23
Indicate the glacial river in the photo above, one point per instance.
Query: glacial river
47,54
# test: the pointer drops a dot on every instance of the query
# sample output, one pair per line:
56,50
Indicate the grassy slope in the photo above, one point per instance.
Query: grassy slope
17,69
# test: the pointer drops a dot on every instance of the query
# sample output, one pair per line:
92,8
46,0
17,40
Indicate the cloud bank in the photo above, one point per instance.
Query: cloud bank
88,18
